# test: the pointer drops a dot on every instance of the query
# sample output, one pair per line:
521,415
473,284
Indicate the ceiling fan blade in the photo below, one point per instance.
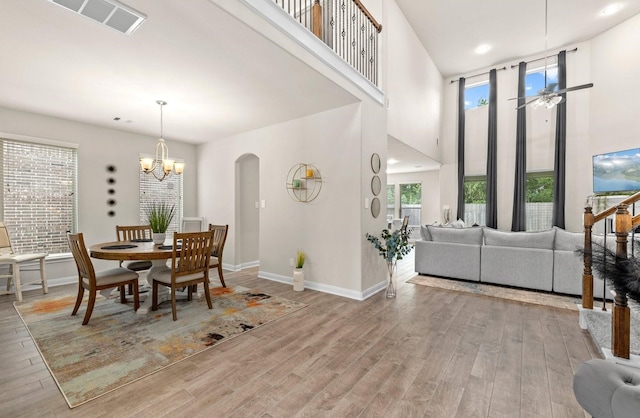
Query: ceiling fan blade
580,87
525,97
548,89
527,103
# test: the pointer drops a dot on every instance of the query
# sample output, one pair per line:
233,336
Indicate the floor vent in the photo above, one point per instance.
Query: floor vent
107,12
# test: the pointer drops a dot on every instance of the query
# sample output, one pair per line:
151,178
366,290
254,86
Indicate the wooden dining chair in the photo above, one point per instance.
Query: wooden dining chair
135,233
189,266
13,260
219,238
94,282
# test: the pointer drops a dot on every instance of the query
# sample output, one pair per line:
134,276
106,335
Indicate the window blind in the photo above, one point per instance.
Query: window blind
169,191
39,195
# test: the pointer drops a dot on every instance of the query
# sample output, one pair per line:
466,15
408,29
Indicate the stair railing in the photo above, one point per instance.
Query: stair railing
621,315
346,26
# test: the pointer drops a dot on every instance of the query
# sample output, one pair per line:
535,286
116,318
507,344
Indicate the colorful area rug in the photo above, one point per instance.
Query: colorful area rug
519,295
118,346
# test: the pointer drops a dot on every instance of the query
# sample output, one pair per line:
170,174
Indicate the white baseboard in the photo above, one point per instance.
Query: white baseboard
325,288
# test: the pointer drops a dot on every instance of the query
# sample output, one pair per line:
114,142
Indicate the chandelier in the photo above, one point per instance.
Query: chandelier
168,165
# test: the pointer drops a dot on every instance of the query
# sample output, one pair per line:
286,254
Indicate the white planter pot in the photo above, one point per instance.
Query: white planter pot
159,237
298,280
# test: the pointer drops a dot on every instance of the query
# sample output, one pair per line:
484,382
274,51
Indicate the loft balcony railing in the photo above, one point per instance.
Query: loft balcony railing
346,26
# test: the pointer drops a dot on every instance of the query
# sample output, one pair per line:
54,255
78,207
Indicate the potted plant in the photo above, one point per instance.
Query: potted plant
159,215
392,246
298,273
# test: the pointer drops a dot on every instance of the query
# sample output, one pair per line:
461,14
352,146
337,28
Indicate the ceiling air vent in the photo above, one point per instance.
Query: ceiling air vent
107,12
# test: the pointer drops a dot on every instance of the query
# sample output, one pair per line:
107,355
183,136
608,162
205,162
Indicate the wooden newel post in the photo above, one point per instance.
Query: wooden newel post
587,274
316,19
621,316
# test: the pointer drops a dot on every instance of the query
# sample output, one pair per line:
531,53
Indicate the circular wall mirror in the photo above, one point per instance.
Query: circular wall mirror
375,163
376,185
375,207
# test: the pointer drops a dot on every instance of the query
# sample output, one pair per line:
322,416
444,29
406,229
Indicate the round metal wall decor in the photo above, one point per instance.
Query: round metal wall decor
376,185
375,163
304,182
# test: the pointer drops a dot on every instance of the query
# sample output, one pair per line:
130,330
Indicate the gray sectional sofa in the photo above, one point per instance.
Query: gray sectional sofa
543,261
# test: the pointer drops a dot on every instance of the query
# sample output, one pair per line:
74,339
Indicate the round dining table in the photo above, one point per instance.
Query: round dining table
138,250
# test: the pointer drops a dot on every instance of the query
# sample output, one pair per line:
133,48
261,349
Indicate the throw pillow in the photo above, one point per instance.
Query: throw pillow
470,236
542,240
568,241
424,233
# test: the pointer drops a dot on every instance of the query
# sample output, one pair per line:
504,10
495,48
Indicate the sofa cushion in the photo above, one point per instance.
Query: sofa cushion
469,236
424,233
541,240
457,261
528,268
568,241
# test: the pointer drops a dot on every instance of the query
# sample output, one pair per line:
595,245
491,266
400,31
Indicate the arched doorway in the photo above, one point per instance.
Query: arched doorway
247,212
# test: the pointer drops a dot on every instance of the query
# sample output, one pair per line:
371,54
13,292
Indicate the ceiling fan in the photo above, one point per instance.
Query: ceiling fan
548,97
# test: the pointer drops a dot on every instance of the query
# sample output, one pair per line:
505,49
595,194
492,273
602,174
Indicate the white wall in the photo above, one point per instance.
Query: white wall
98,148
329,228
413,86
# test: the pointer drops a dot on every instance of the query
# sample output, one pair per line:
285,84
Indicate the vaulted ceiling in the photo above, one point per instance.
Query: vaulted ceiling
220,77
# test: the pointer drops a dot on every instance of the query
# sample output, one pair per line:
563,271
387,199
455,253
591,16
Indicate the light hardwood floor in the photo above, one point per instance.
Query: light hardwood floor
428,353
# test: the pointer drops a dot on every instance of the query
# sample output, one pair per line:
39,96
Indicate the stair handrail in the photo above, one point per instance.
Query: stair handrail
369,16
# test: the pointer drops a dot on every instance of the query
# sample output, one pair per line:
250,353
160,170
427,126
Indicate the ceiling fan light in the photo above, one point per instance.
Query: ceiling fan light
556,99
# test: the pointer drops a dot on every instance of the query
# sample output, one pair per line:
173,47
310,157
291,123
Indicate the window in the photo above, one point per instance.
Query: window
411,202
539,207
534,80
391,201
475,200
169,190
476,95
539,204
39,204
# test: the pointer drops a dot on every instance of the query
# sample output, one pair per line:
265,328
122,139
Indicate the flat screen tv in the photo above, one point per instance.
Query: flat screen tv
617,171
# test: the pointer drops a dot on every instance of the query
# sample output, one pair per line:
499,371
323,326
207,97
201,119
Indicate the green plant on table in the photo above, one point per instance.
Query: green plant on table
160,215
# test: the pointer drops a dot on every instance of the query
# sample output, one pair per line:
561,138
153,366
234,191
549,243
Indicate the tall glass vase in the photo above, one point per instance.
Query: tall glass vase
391,286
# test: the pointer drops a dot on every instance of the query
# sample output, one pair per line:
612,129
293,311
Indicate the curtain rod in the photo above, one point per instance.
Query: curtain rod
478,75
538,59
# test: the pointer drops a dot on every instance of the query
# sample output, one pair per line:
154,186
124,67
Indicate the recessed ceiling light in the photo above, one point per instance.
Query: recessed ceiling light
611,9
482,49
391,161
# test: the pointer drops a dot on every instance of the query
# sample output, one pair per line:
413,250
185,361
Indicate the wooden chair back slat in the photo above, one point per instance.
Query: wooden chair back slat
81,256
193,254
131,232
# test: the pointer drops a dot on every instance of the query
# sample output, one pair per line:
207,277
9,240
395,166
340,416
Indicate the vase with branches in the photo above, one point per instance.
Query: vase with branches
392,246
